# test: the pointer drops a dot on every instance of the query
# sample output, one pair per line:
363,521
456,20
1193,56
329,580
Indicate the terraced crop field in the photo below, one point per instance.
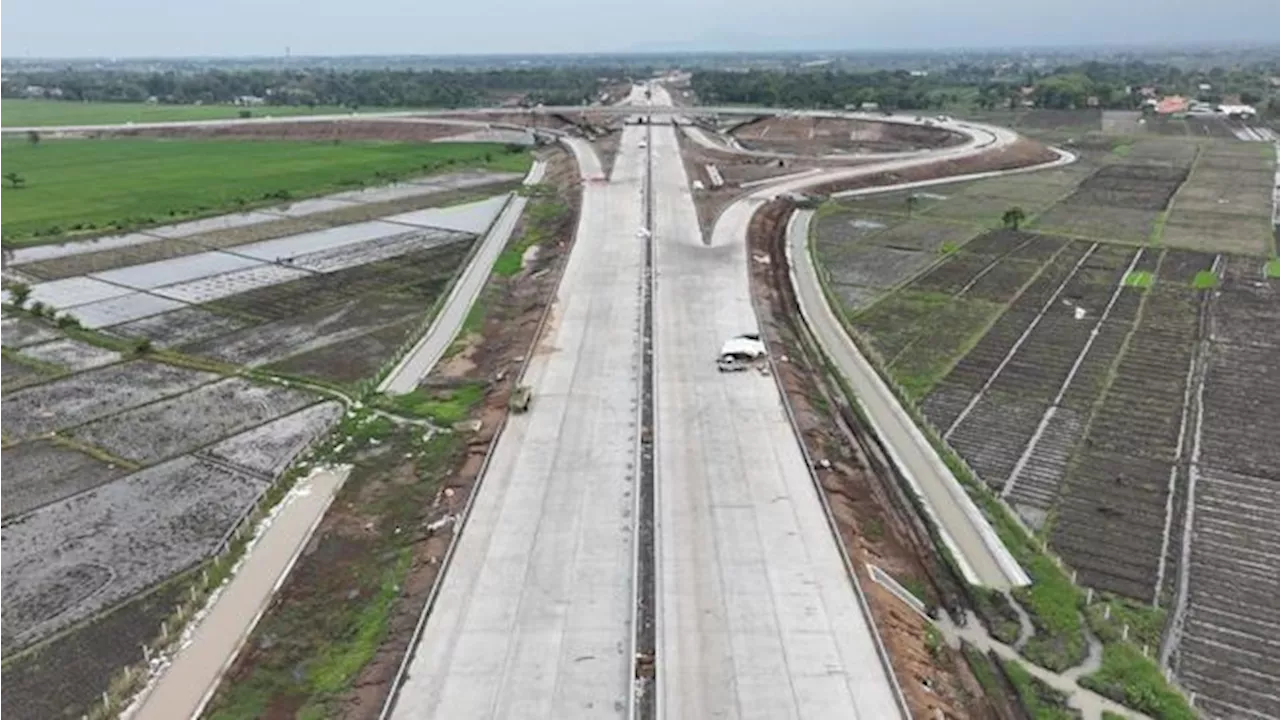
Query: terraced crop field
1122,399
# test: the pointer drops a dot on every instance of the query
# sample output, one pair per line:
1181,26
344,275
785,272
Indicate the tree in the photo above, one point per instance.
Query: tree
33,137
913,201
19,292
15,180
1013,217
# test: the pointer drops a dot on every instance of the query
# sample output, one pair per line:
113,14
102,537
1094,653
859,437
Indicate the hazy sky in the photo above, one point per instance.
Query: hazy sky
124,28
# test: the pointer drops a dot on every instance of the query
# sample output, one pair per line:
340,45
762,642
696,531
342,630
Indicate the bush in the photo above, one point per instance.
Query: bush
1131,678
19,292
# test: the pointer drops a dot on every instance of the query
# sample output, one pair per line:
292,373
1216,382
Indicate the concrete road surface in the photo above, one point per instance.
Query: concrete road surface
188,683
756,614
533,619
417,364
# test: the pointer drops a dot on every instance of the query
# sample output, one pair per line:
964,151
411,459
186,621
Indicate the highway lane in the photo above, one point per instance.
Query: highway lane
756,614
533,619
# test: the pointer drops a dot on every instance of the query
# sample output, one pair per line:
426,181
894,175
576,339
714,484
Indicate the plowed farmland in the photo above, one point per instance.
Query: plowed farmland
1120,397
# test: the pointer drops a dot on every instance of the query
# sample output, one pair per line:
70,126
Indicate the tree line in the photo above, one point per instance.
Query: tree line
1108,85
359,88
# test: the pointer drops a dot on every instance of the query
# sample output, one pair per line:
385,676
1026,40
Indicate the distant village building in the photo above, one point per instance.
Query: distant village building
1242,112
919,73
1205,87
1172,104
1092,101
249,100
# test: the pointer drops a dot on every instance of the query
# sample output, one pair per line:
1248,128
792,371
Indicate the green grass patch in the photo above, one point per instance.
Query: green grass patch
1272,268
92,186
1205,280
1041,701
1139,279
1122,150
1145,623
983,670
30,113
337,666
948,329
1129,677
541,216
443,406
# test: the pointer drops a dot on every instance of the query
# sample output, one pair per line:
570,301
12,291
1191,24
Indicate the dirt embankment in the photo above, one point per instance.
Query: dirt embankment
1022,153
873,515
825,135
391,130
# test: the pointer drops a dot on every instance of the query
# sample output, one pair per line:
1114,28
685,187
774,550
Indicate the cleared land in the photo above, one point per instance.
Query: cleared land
27,113
88,185
820,136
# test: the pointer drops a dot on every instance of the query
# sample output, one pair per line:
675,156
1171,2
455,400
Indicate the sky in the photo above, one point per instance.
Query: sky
178,28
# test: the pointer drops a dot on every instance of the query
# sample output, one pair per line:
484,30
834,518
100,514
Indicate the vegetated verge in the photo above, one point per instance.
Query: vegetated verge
72,188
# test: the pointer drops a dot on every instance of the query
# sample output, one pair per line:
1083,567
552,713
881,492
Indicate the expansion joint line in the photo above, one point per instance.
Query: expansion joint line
1014,350
644,641
1030,449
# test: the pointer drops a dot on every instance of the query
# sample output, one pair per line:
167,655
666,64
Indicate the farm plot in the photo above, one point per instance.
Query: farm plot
18,374
352,360
334,323
67,561
71,354
94,394
864,256
65,677
1112,517
993,435
1226,652
62,294
122,309
216,287
268,449
20,332
180,327
104,260
971,374
44,471
420,275
1120,201
171,427
1225,205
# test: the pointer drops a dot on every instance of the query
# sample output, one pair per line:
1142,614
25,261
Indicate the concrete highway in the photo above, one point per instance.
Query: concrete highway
534,617
981,556
756,614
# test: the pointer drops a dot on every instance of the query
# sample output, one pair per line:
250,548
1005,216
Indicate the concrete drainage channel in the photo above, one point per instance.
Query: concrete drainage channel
645,640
